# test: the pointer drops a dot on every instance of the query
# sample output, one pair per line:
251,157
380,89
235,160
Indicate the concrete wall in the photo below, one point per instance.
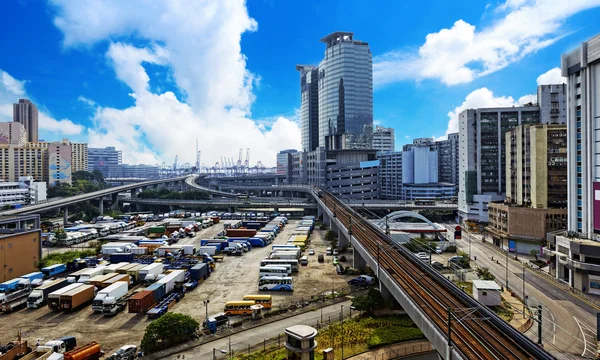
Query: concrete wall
491,297
20,254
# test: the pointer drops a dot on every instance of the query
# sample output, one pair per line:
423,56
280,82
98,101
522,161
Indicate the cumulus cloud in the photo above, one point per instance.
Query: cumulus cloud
11,90
552,76
199,44
87,101
463,52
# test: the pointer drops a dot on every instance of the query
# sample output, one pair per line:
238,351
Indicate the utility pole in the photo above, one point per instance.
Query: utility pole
507,269
523,291
539,319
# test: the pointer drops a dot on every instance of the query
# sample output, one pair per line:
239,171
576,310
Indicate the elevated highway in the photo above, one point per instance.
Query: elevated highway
227,203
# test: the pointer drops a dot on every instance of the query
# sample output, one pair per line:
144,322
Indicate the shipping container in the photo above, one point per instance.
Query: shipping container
55,269
39,296
54,297
240,232
199,272
210,250
125,269
119,277
158,291
75,298
98,281
171,278
141,301
117,258
150,272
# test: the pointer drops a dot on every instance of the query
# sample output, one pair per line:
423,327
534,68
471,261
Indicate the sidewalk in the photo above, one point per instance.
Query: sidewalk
395,350
520,321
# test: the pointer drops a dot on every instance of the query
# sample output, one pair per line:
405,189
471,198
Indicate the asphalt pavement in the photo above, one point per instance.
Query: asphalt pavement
568,323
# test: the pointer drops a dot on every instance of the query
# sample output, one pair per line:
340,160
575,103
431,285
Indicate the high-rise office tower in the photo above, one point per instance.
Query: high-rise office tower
26,113
582,69
309,107
383,139
345,88
105,159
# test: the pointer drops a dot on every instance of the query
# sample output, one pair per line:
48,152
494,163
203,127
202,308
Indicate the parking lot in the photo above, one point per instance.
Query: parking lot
233,278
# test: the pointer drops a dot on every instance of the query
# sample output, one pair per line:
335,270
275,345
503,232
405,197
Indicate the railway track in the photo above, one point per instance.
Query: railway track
475,337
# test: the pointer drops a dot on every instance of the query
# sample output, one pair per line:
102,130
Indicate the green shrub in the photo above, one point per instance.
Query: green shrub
65,257
393,334
451,249
168,330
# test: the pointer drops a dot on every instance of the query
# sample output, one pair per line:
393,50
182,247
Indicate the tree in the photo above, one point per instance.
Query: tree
168,330
329,236
534,253
369,301
484,274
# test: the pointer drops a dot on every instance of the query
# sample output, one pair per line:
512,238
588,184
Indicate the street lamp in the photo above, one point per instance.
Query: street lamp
206,302
215,353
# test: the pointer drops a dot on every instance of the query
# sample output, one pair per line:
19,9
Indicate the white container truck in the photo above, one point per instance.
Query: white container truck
171,278
150,272
110,295
39,296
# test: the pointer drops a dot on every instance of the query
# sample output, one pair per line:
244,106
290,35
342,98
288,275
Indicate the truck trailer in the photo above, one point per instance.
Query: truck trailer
54,297
150,272
77,297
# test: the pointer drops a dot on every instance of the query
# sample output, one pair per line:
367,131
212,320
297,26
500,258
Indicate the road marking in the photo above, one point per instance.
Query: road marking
584,339
553,326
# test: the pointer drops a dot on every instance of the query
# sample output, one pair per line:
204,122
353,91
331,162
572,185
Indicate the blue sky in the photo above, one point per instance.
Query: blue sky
150,79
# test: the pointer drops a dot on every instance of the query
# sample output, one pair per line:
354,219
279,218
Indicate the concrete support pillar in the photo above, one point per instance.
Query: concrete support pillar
65,216
101,205
19,225
181,185
322,215
276,209
388,298
357,261
343,241
171,208
115,202
133,193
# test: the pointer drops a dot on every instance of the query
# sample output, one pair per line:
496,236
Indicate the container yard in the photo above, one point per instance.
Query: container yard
133,288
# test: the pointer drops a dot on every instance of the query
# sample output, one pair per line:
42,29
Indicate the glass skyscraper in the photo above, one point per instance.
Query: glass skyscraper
342,88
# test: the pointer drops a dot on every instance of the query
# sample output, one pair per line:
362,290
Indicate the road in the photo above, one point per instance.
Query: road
240,341
568,323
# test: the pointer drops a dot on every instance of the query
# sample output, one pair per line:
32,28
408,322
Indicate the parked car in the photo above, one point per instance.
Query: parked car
328,251
340,269
423,256
335,252
321,258
438,250
437,265
311,251
362,280
336,261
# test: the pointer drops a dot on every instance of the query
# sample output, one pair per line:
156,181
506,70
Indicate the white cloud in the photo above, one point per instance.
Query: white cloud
87,101
552,76
208,70
11,90
526,99
463,52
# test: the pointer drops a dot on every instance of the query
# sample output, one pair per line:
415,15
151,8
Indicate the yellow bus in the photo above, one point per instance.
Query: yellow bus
238,308
265,300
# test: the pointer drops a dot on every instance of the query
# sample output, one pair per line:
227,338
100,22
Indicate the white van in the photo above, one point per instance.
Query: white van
328,251
304,260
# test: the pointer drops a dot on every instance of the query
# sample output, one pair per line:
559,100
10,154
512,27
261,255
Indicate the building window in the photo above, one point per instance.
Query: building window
484,293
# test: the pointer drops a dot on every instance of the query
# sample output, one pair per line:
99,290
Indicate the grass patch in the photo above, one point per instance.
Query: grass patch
505,311
467,286
65,257
359,335
539,263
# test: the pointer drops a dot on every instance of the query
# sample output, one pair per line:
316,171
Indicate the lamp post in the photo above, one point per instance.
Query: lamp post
507,269
215,353
206,302
342,325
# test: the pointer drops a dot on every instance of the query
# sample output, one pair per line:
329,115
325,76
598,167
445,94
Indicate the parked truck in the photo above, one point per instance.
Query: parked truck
16,299
210,250
150,272
77,297
91,351
112,306
60,345
171,278
199,272
90,273
39,296
109,295
54,297
26,280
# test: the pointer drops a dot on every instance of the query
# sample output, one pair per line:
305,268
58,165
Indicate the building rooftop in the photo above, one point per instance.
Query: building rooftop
486,285
337,34
301,331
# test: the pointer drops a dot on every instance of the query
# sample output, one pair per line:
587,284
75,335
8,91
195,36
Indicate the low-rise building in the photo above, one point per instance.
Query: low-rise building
22,192
487,292
300,342
21,246
521,229
438,191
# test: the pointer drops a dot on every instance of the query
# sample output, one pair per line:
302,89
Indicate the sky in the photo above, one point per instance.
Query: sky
152,77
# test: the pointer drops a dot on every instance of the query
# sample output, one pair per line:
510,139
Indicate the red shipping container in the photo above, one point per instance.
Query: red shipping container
141,301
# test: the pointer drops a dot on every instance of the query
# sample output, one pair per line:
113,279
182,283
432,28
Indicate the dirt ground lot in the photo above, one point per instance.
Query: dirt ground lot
233,278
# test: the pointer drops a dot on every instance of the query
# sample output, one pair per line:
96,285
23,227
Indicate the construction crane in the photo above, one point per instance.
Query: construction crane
239,162
247,162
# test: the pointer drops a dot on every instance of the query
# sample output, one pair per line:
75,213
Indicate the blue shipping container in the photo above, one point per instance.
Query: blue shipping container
52,270
117,258
9,285
199,271
32,276
158,290
256,242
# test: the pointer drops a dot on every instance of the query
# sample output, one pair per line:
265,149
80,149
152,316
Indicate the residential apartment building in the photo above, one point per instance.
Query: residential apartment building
536,188
383,139
447,151
552,100
26,113
28,160
79,156
575,254
12,133
59,163
390,174
104,159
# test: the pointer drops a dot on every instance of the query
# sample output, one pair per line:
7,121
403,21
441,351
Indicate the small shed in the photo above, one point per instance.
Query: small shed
487,292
